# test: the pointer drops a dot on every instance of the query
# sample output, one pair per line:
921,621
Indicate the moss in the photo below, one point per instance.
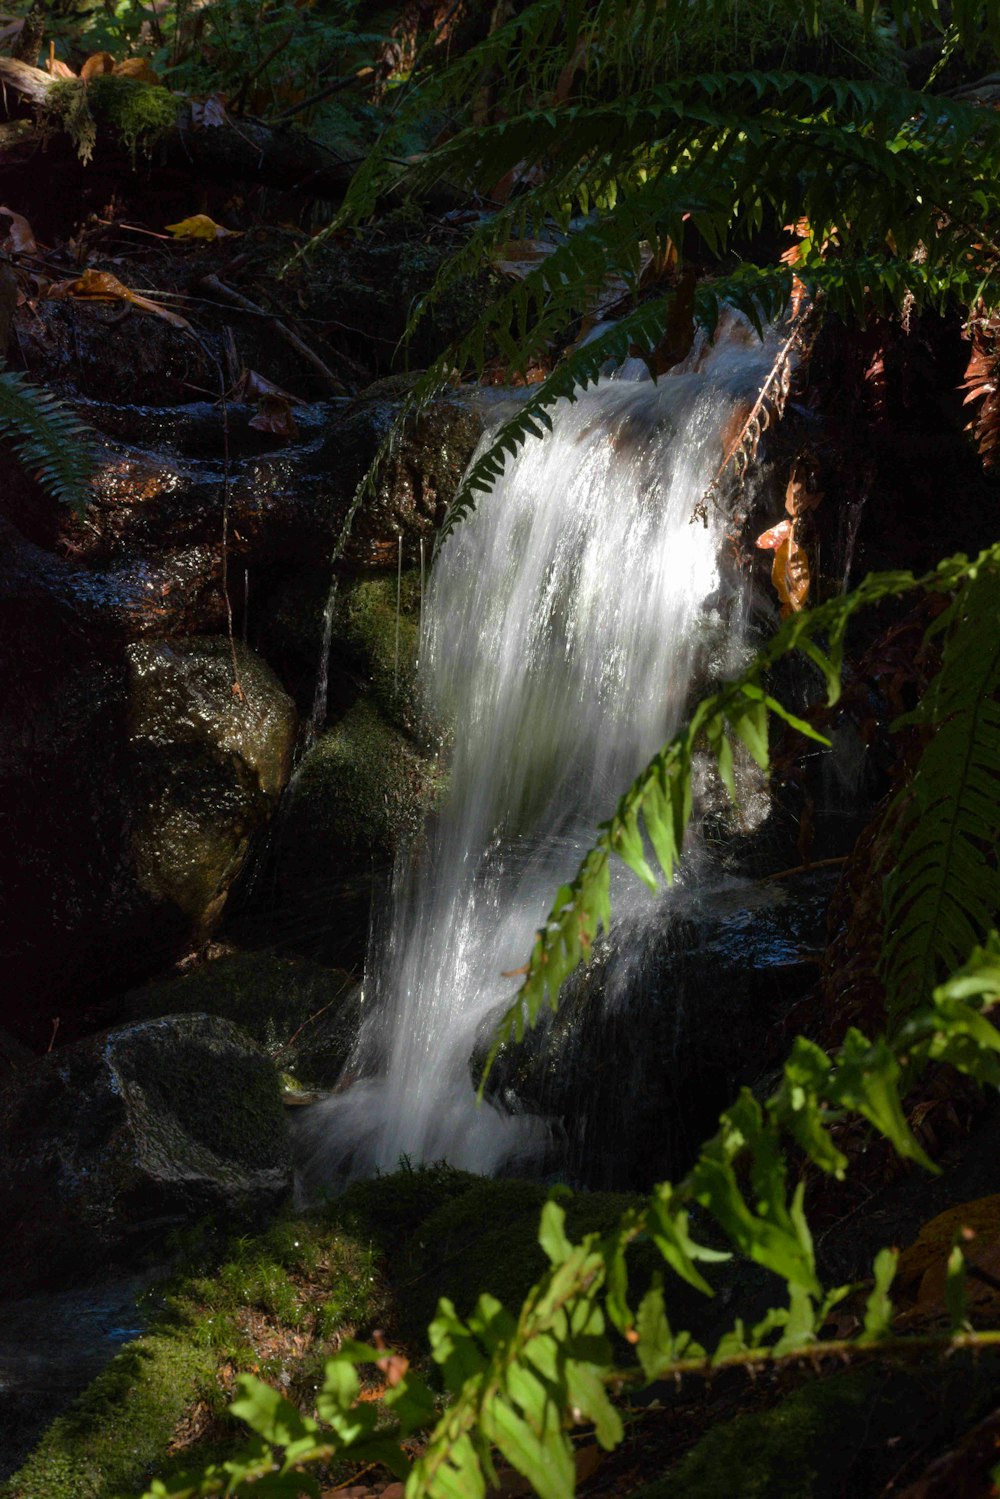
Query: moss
449,1233
274,1304
139,114
366,629
364,786
114,1434
849,1433
302,1014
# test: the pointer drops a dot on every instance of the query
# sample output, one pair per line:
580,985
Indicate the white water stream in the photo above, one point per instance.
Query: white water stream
561,628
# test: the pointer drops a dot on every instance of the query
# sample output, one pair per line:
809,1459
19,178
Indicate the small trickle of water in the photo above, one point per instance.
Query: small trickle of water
562,625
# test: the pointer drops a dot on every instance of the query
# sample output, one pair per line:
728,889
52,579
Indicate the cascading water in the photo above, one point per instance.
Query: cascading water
562,627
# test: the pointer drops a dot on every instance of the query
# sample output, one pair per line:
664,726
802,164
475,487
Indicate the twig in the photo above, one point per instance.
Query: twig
236,299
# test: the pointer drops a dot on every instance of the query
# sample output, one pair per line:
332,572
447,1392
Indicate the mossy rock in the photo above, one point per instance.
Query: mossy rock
121,1426
276,1304
361,792
846,1435
213,760
129,1134
450,1233
383,641
302,1014
136,113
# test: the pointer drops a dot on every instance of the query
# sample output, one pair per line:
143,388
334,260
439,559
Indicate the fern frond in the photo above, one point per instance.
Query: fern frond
656,809
943,893
50,441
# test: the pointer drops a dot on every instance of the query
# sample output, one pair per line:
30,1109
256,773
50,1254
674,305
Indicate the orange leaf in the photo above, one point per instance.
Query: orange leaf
96,64
199,226
102,286
770,541
139,69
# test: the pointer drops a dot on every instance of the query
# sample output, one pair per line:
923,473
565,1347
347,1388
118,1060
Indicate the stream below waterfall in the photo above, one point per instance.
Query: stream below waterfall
565,626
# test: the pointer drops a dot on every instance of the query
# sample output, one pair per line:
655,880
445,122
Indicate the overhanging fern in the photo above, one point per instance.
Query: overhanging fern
952,896
944,889
51,443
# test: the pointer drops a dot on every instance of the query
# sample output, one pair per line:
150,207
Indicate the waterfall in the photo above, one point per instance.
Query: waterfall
562,625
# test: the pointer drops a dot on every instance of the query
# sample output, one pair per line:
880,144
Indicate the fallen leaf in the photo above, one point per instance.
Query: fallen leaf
393,1365
251,386
58,68
274,415
102,286
137,68
519,256
200,226
790,570
96,64
19,239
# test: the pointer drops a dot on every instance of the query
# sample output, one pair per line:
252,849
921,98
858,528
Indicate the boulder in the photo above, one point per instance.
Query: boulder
302,1014
112,1143
212,760
360,793
129,792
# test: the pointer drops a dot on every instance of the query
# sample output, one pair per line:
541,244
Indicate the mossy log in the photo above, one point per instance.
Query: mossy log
225,150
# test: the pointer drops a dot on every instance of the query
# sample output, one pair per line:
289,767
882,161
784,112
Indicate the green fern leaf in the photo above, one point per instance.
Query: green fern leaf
943,893
51,443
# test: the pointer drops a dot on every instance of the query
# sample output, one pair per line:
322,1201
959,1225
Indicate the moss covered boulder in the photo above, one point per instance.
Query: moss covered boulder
113,1142
302,1014
213,759
360,793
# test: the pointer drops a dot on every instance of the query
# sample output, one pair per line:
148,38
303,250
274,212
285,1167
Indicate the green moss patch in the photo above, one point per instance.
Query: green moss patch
364,787
275,1305
366,629
138,114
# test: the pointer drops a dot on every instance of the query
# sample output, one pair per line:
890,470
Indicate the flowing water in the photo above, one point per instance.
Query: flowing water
562,627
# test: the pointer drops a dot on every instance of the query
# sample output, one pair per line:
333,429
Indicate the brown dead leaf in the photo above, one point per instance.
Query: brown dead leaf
20,238
274,415
252,386
56,67
520,256
102,286
790,569
96,64
393,1365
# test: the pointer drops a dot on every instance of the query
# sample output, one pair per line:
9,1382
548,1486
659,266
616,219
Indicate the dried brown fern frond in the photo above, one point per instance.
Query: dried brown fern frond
982,383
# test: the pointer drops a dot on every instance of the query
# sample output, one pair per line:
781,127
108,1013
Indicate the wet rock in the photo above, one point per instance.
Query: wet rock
112,1142
361,792
419,477
86,348
673,1016
130,789
302,1014
213,757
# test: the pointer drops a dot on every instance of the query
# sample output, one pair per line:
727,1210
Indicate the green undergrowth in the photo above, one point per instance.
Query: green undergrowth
278,1304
